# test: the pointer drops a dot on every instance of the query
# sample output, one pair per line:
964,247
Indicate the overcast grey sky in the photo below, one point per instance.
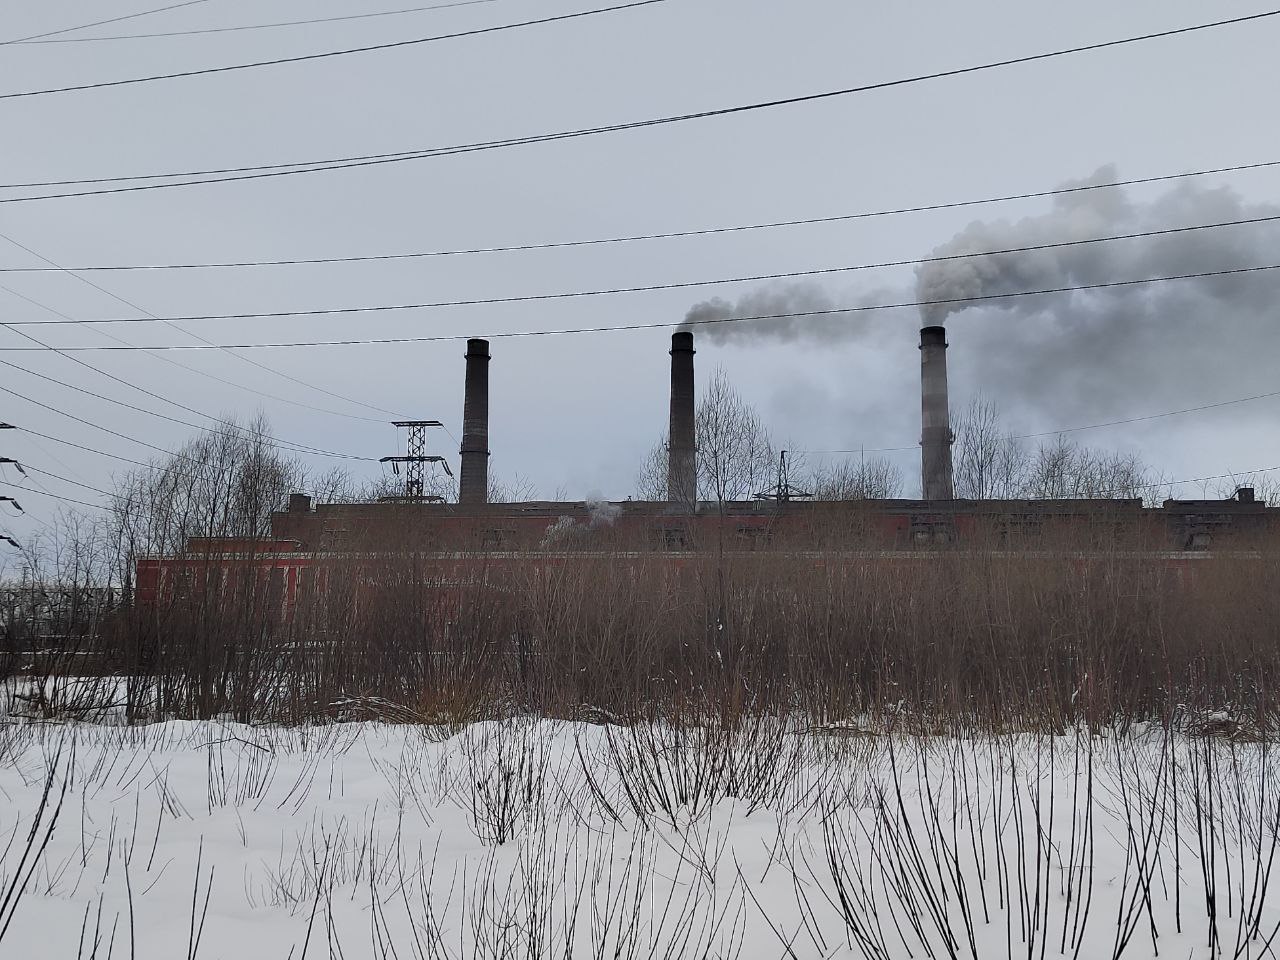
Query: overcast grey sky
577,413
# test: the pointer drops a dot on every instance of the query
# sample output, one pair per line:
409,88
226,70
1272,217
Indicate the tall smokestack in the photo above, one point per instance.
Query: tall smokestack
682,462
935,420
473,486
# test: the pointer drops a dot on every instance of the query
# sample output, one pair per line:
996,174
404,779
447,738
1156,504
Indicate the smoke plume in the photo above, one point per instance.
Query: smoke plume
1087,351
600,513
1101,213
1118,347
783,311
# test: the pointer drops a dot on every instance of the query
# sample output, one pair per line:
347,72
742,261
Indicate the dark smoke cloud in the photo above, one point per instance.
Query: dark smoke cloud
1058,357
1076,216
1123,347
776,305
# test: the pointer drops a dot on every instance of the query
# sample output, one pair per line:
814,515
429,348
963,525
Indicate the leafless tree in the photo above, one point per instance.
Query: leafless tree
518,490
223,483
334,485
1265,486
874,479
651,479
63,597
736,457
1065,470
989,463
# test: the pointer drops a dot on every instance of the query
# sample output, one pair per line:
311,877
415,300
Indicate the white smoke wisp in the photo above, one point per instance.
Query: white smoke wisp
601,513
562,530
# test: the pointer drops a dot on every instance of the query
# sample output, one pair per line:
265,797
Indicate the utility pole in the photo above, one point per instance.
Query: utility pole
4,537
415,460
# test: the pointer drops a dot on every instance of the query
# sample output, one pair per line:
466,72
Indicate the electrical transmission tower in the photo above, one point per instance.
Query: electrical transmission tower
415,460
784,491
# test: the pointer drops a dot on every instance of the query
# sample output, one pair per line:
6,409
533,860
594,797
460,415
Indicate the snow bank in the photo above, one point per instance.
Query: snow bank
524,838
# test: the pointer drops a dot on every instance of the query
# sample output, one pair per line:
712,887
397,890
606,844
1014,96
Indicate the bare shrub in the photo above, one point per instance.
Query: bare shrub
1039,625
505,788
874,479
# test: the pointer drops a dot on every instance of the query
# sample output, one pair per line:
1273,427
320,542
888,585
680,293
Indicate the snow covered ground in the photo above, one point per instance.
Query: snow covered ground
534,838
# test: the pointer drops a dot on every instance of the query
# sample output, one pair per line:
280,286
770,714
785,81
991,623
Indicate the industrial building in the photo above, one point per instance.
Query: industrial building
475,533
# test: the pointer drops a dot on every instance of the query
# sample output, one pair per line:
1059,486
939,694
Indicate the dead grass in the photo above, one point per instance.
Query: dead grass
1077,630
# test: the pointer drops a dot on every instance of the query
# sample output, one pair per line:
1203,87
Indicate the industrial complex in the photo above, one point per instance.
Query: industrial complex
474,533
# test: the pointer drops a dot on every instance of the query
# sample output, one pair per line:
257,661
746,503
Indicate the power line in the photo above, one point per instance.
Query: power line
314,166
150,393
666,324
708,231
153,467
649,288
254,26
285,445
396,44
1154,485
56,496
101,23
88,449
52,456
77,483
1153,416
30,477
1221,476
175,455
182,366
96,426
1065,430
